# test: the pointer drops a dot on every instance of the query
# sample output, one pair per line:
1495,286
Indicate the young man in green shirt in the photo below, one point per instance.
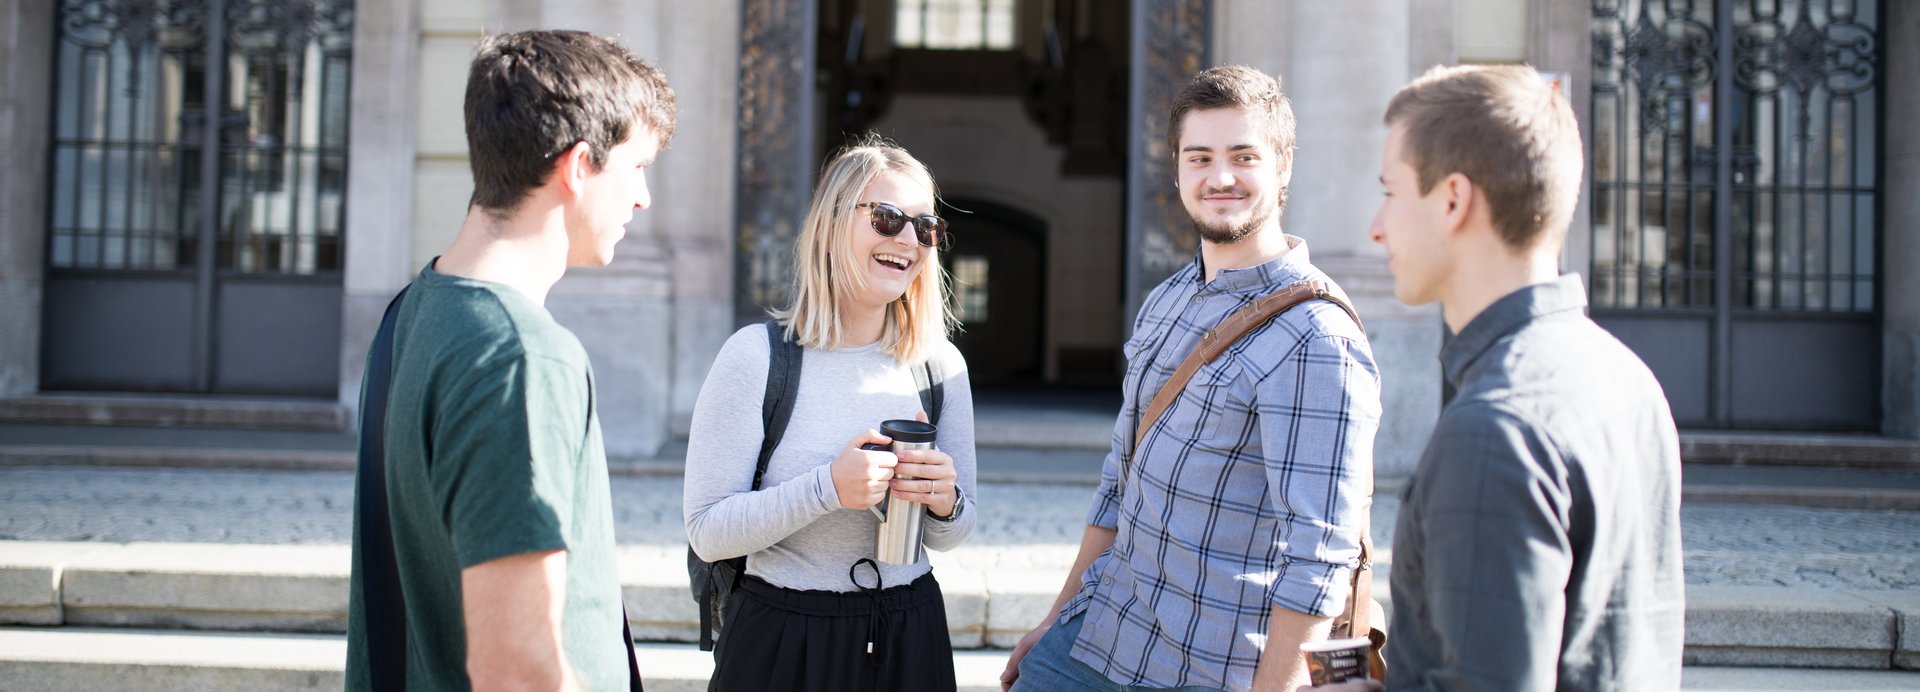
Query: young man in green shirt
496,479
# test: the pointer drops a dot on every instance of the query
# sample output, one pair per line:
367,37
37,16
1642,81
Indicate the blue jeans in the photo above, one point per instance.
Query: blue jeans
1050,666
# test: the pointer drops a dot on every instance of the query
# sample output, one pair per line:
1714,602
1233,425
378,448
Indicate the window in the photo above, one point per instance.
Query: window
970,288
954,24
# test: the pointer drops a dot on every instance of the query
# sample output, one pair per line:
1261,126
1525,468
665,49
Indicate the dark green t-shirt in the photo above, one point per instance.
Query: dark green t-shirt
492,449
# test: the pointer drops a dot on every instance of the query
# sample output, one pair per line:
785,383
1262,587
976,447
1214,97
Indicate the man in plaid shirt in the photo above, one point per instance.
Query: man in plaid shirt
1227,539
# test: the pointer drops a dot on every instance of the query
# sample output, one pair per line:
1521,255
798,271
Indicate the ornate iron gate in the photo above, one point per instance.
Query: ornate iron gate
1736,223
199,188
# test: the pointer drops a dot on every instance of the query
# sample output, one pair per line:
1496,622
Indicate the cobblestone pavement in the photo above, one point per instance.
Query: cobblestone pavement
1022,525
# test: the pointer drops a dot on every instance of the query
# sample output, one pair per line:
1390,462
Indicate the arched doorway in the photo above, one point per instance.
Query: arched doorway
998,268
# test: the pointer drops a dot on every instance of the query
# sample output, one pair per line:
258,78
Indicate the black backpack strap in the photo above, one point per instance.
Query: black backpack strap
776,409
932,383
385,604
633,661
783,385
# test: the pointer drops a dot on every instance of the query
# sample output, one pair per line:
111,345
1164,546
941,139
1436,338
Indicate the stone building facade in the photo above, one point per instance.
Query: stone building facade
1042,119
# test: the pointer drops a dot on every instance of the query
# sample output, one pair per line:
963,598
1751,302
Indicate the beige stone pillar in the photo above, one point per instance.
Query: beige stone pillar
26,39
1900,284
1340,63
381,152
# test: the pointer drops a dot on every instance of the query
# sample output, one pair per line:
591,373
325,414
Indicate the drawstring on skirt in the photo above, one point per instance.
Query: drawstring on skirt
876,618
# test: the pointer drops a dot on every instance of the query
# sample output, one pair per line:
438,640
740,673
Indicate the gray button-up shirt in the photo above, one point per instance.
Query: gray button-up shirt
1538,543
1247,494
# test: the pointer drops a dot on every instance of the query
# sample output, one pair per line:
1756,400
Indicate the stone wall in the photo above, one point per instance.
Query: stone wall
26,39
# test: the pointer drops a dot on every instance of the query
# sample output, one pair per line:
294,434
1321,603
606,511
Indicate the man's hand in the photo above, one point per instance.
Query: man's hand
1282,667
860,476
1012,671
512,608
1361,685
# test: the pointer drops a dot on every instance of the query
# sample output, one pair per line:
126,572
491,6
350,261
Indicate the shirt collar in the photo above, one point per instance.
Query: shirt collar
1506,316
1289,267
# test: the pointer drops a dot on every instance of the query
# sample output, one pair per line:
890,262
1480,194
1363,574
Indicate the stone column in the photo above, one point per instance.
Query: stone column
26,41
1900,286
1560,40
1339,94
380,211
694,191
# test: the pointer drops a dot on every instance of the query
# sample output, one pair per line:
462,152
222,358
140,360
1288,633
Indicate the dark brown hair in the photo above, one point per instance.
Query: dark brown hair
532,95
1235,86
1507,130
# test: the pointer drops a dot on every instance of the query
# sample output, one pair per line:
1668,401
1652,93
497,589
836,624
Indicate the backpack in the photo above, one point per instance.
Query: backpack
713,582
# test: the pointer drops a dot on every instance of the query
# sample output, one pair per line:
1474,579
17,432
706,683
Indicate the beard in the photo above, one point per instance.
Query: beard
1223,234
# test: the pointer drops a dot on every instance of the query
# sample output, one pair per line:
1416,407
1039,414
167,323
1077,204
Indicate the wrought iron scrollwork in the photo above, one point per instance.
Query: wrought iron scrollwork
771,193
97,24
270,26
1838,56
1665,58
1176,49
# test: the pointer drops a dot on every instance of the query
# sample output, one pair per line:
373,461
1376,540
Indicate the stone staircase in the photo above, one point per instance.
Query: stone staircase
1781,596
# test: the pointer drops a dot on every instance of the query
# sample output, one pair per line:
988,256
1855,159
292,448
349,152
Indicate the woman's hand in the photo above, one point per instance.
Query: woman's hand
926,476
860,476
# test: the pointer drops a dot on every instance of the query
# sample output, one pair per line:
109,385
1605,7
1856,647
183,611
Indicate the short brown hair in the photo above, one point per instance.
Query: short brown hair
534,94
1507,130
1235,86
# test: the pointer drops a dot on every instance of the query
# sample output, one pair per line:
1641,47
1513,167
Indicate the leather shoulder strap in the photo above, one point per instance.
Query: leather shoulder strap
1217,340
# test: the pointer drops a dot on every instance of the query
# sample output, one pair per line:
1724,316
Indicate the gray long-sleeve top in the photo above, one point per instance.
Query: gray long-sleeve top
793,530
1538,541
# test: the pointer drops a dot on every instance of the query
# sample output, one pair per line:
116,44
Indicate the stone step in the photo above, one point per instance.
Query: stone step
74,658
176,410
990,603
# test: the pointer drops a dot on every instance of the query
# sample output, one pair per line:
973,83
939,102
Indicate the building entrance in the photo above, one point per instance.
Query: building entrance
198,177
1736,228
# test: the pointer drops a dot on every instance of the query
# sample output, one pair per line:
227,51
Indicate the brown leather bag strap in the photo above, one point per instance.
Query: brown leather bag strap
1222,336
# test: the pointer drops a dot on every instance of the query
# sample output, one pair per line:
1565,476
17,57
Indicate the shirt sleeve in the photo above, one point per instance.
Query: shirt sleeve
725,517
1496,553
956,439
506,443
1318,412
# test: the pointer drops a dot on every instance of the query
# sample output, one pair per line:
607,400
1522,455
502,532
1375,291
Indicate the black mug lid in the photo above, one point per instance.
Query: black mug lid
908,430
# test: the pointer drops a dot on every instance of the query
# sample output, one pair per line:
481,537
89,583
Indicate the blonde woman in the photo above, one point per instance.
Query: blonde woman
815,609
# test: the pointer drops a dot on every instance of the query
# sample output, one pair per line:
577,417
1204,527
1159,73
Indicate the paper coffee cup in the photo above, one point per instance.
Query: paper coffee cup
1336,660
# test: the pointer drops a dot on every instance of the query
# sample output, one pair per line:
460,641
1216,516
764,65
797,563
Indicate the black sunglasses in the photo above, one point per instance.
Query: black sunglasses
889,220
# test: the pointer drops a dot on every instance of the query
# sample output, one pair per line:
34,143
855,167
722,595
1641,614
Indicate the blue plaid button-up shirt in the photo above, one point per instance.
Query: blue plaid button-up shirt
1247,494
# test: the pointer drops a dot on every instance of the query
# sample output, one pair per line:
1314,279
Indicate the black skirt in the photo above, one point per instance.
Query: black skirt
825,641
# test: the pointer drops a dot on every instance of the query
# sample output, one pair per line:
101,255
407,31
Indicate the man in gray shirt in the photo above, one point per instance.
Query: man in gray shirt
1538,543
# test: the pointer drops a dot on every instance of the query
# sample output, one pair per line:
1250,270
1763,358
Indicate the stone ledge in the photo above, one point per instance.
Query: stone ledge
1906,613
37,660
1777,626
1799,449
262,413
177,458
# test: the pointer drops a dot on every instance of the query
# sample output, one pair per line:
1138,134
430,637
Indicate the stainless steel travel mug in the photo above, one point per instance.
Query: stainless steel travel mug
898,539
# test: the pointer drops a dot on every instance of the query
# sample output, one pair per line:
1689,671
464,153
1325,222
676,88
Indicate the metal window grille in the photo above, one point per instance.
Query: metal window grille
1795,125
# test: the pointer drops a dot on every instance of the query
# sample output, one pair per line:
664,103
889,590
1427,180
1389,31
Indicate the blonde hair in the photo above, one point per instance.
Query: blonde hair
1506,129
919,319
